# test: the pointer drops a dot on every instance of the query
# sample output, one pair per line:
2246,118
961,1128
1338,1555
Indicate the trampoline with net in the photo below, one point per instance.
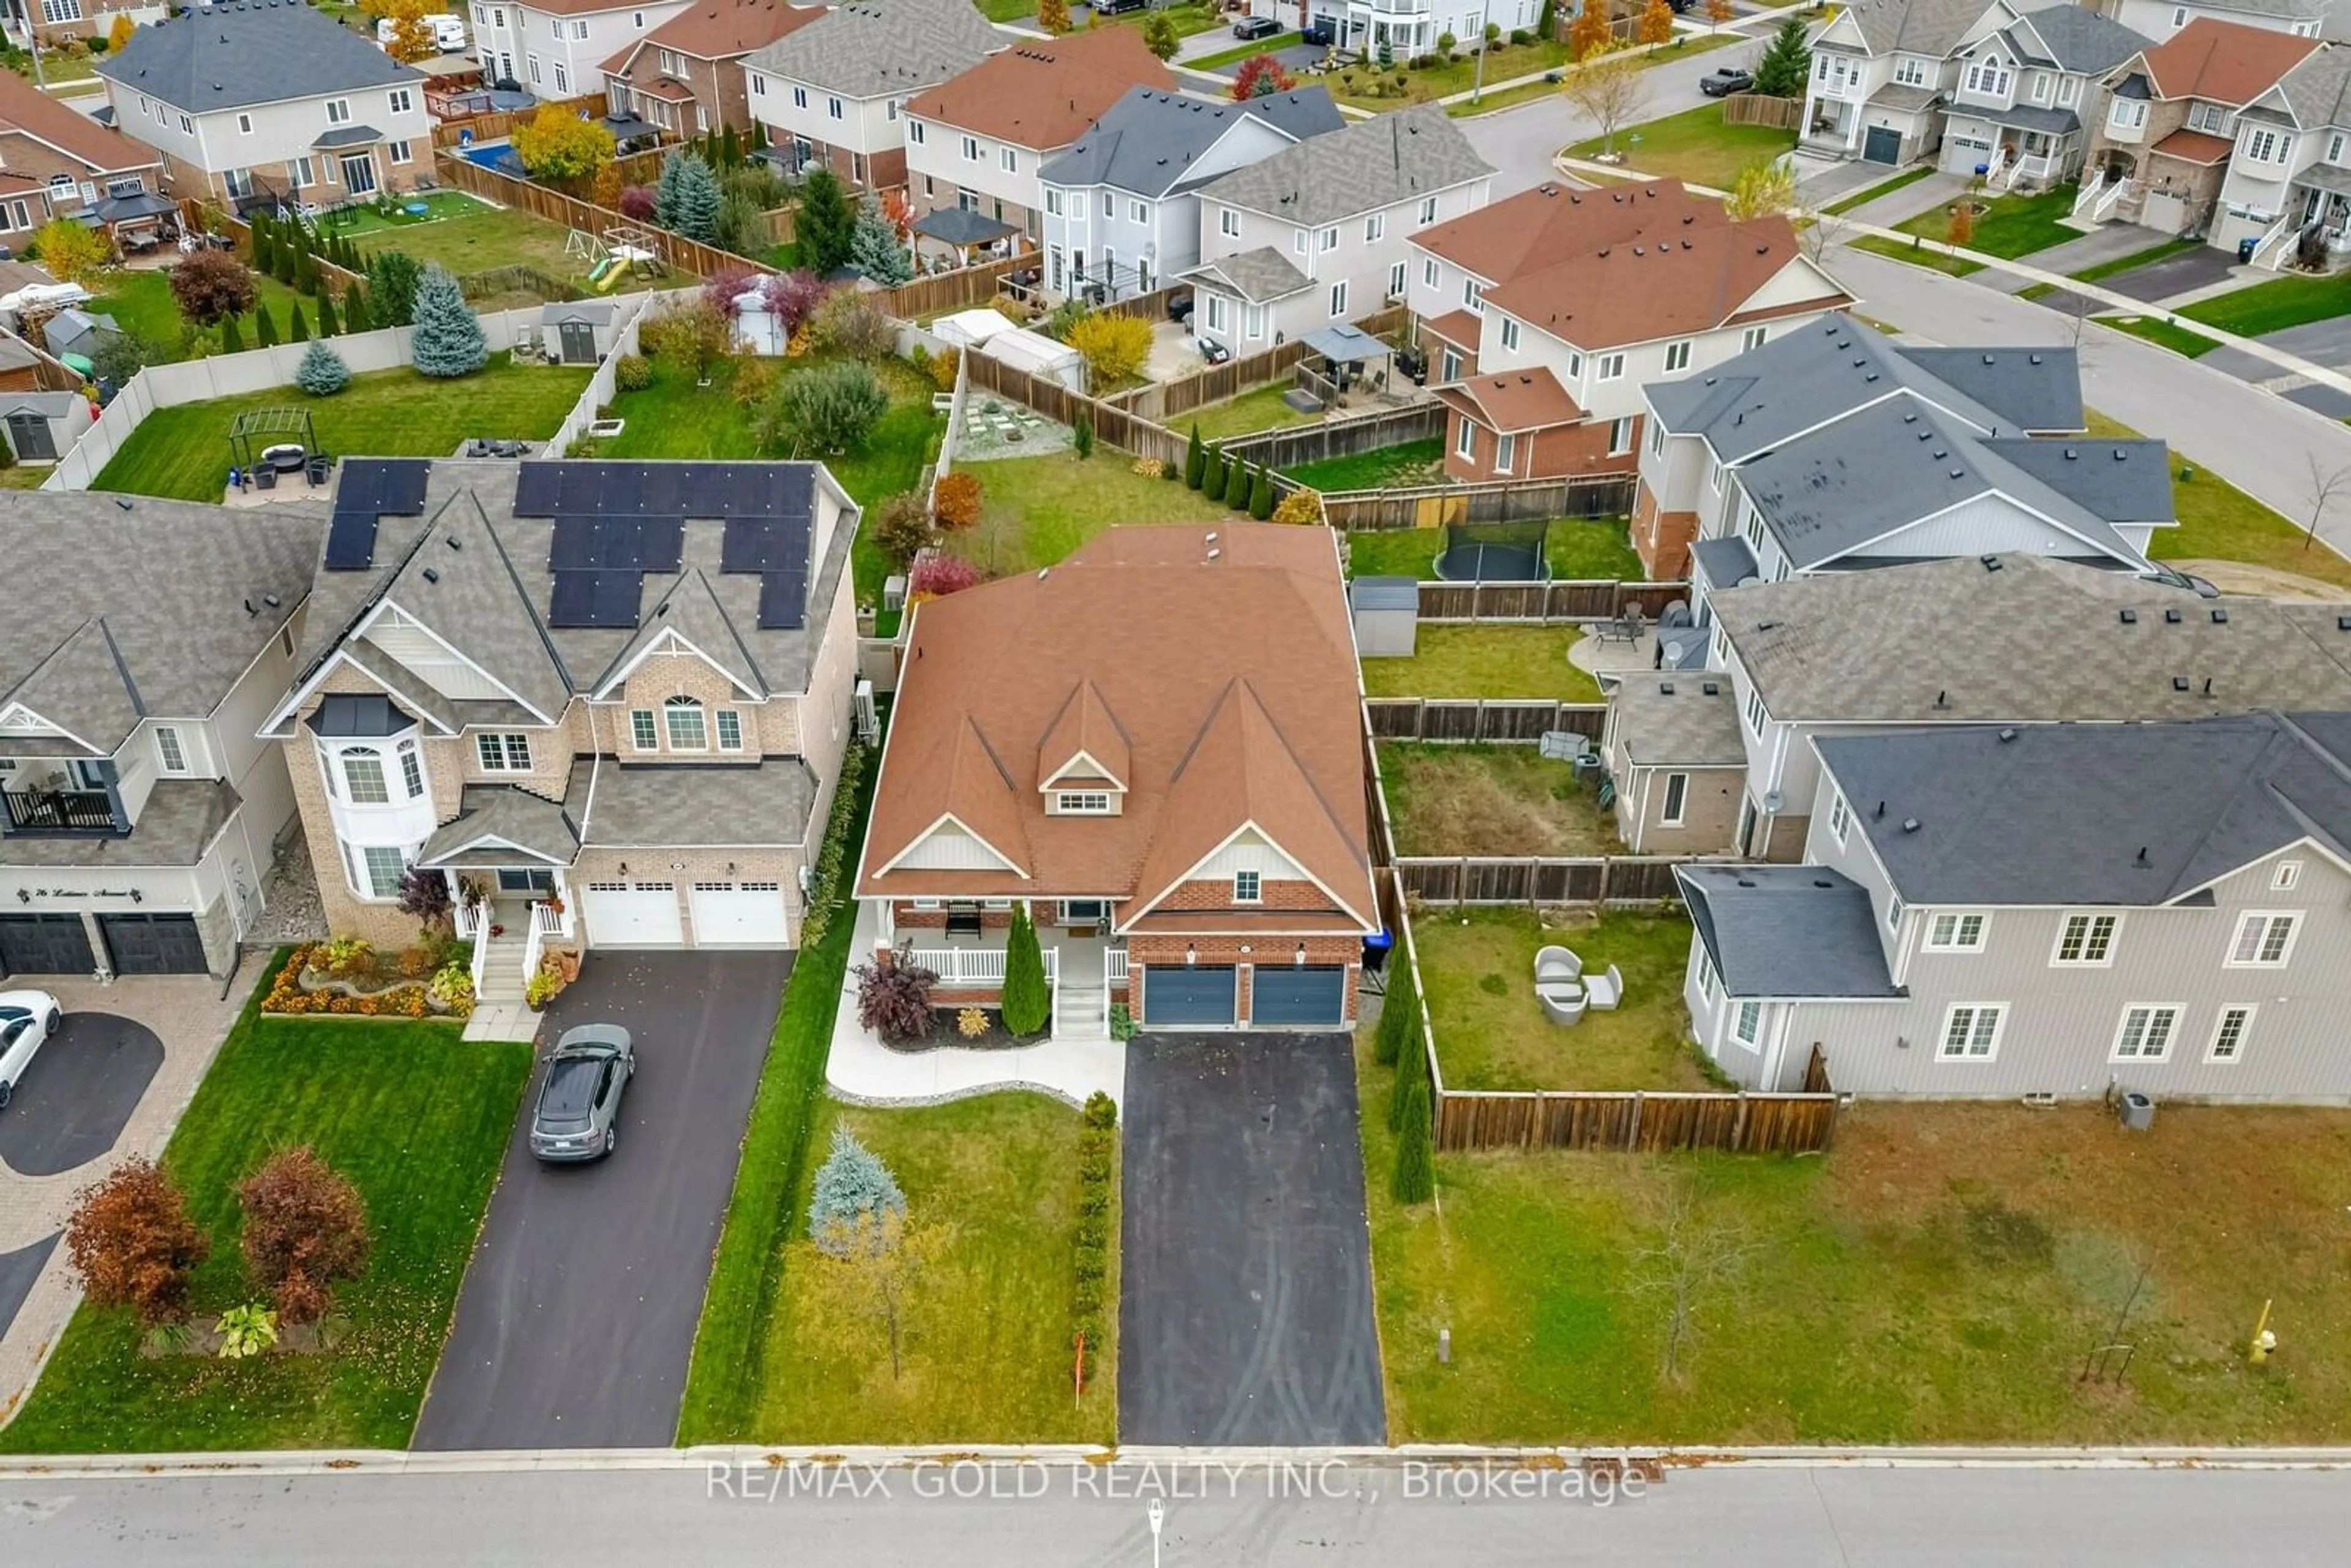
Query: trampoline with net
1495,552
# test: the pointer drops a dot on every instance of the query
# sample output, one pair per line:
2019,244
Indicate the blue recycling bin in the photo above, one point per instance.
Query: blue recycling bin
2245,248
1376,947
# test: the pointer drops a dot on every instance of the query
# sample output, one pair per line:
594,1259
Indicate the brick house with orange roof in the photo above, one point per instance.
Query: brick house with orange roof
686,77
1544,315
56,162
1154,746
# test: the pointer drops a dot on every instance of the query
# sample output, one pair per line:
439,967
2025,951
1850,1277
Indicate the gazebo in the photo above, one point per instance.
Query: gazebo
963,231
1344,352
273,442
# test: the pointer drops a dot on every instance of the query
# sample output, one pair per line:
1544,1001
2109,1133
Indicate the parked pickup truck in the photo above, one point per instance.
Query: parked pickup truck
1725,81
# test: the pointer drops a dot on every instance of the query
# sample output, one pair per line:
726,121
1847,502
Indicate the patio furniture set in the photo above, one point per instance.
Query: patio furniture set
1566,993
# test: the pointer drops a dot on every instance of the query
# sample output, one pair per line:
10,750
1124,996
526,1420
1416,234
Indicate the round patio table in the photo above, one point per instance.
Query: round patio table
287,458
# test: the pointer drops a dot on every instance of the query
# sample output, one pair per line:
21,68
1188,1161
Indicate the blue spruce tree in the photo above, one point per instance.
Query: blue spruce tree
449,340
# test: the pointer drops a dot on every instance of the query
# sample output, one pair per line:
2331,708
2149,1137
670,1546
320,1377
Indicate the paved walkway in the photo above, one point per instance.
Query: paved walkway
864,1071
189,1015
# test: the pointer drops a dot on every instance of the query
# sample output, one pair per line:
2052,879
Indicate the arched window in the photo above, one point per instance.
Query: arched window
363,782
686,732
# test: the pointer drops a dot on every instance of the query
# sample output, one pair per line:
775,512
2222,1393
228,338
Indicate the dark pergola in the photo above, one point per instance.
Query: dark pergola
261,424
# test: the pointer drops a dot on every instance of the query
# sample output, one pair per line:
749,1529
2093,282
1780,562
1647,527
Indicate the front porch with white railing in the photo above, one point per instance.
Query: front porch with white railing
511,927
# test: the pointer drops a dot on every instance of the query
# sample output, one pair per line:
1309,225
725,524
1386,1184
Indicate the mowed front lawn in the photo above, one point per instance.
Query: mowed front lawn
1477,969
1485,661
1390,467
2273,306
1695,146
2220,522
1036,511
2009,226
1578,549
183,451
1460,799
1937,1278
989,1350
418,1118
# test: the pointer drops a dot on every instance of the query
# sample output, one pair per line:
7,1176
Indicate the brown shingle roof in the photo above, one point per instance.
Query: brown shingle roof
720,29
1045,92
1529,399
27,109
1550,223
1230,679
2194,147
2225,61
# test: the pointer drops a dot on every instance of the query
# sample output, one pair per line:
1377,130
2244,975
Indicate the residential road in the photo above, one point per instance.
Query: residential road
1795,1517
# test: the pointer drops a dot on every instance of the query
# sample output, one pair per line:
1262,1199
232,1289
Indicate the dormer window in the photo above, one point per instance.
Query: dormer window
1246,887
1082,802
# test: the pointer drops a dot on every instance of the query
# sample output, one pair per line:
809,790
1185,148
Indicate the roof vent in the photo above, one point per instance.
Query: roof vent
2121,456
1746,881
1987,358
2141,859
125,503
454,543
1823,883
1909,824
1871,377
2171,617
250,609
1910,419
2341,622
1210,536
2180,683
272,601
1958,473
1941,452
1665,688
2007,734
1880,812
2071,455
1942,699
2130,617
430,575
2032,358
2220,616
1712,688
1215,553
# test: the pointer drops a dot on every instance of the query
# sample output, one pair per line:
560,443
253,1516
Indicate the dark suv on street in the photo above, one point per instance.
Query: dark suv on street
578,1112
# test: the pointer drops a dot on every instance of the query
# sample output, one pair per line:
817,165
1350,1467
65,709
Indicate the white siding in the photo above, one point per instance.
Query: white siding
949,848
1250,852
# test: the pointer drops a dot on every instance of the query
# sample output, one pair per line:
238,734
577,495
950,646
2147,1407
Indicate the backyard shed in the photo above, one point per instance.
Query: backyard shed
43,427
1387,616
969,328
576,334
76,331
1039,356
20,366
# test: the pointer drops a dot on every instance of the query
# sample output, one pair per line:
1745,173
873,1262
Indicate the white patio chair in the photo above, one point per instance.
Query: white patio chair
1562,1002
1555,964
1605,990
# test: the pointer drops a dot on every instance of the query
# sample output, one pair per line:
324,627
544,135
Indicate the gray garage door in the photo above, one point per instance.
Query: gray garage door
1315,994
1882,145
45,945
153,944
1173,997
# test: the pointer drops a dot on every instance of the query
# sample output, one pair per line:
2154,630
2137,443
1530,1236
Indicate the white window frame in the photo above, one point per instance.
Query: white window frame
644,730
1509,333
1609,367
2255,925
1673,807
1228,222
338,111
402,101
799,97
2284,876
244,125
1138,212
1747,1024
1253,322
2091,938
832,108
2146,1032
1331,239
1975,1013
1081,802
1677,356
1375,228
1396,271
171,752
729,726
1248,887
1757,716
1753,339
412,770
1339,299
676,708
1956,931
1620,435
1464,443
502,751
365,866
1505,450
2241,1013
382,785
1840,818
971,149
1427,210
1430,271
402,153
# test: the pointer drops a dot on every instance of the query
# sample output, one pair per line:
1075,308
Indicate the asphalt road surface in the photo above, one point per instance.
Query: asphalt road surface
577,1318
1756,1517
1245,1306
78,1093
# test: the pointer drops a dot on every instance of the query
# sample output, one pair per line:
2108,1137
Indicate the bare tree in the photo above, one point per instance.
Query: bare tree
1691,1253
1611,89
1820,231
2326,484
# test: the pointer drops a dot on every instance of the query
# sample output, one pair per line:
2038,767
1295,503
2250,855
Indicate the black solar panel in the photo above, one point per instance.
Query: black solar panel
595,599
661,544
350,541
783,600
535,492
382,485
616,521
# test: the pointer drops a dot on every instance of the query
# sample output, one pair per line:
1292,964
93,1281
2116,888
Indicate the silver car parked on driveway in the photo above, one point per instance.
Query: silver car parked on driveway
578,1112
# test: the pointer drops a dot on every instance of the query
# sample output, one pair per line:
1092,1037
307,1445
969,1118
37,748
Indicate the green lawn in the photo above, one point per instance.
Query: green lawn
2162,333
183,451
989,1352
142,304
2010,226
1478,967
1234,57
2220,522
417,1118
1916,255
1869,193
1036,511
1485,661
440,207
1457,799
1694,146
1443,81
1246,414
476,237
2274,307
1934,1279
1412,463
1579,549
2136,259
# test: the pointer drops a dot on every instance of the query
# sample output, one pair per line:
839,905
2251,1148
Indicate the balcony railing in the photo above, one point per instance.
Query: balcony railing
969,965
61,812
1114,966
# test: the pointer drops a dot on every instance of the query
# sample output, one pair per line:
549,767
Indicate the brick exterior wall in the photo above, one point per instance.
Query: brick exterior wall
1541,454
942,194
882,170
1662,539
1435,345
1274,894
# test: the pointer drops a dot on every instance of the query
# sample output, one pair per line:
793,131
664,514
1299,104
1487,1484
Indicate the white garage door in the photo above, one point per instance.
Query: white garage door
738,915
633,914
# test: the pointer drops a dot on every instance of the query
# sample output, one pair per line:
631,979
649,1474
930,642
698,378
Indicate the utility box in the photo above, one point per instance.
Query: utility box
2137,1111
1387,616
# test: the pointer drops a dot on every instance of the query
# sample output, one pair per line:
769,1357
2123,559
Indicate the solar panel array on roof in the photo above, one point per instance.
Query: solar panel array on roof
370,489
615,521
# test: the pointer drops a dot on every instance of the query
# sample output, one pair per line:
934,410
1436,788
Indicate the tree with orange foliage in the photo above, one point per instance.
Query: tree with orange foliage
608,185
954,500
900,213
1717,13
133,1244
1962,226
1656,23
1260,76
412,39
1589,36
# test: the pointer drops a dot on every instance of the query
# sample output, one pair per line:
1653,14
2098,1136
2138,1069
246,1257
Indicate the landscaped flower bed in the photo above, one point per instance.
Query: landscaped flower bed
347,976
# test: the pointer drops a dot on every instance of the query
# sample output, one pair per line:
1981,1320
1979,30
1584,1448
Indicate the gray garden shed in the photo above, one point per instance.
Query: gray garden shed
579,333
1387,615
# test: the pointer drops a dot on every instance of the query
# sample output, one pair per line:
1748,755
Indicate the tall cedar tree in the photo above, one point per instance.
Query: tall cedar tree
392,279
1196,460
328,326
1237,485
1212,475
298,328
1787,65
232,339
1261,495
1027,1001
1412,1066
1414,1180
825,223
1399,1014
265,327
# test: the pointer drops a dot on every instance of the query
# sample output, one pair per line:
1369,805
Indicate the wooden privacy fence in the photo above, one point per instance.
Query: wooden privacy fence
1754,108
197,218
675,250
1633,1123
1480,718
1541,603
1113,425
1510,501
1340,438
1165,401
495,124
944,291
1535,879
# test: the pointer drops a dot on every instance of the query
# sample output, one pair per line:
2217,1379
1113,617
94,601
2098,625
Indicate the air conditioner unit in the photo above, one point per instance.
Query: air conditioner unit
869,722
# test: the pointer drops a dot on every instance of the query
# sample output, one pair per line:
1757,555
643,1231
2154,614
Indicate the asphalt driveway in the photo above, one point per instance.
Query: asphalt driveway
578,1313
2174,275
79,1094
1245,1305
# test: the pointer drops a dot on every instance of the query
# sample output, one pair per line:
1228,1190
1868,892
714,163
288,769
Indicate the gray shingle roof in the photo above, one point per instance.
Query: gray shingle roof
2078,39
1931,27
497,814
82,645
1950,641
246,52
1728,560
2116,481
1150,139
1781,931
2316,89
767,803
1358,169
873,48
2030,117
1679,720
178,823
2030,388
2099,813
1257,275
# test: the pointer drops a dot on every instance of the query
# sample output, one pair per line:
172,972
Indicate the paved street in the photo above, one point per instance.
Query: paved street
1519,141
1759,1518
2260,443
577,1318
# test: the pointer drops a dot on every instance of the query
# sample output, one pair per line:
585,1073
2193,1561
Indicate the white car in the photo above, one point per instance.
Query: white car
27,1019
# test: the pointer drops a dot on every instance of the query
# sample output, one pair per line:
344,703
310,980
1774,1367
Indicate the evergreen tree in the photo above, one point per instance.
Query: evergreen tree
1261,495
297,330
328,326
1412,1066
306,273
232,340
852,1185
265,327
1399,1014
392,279
730,152
265,255
1787,65
758,136
874,249
449,338
825,223
1195,459
1028,1001
1414,1180
686,199
1236,485
283,260
665,191
322,373
1212,475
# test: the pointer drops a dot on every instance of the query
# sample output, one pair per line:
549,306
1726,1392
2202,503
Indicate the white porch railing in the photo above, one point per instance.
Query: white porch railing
550,921
2092,192
1114,966
2115,193
481,940
532,941
2270,254
463,920
971,966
